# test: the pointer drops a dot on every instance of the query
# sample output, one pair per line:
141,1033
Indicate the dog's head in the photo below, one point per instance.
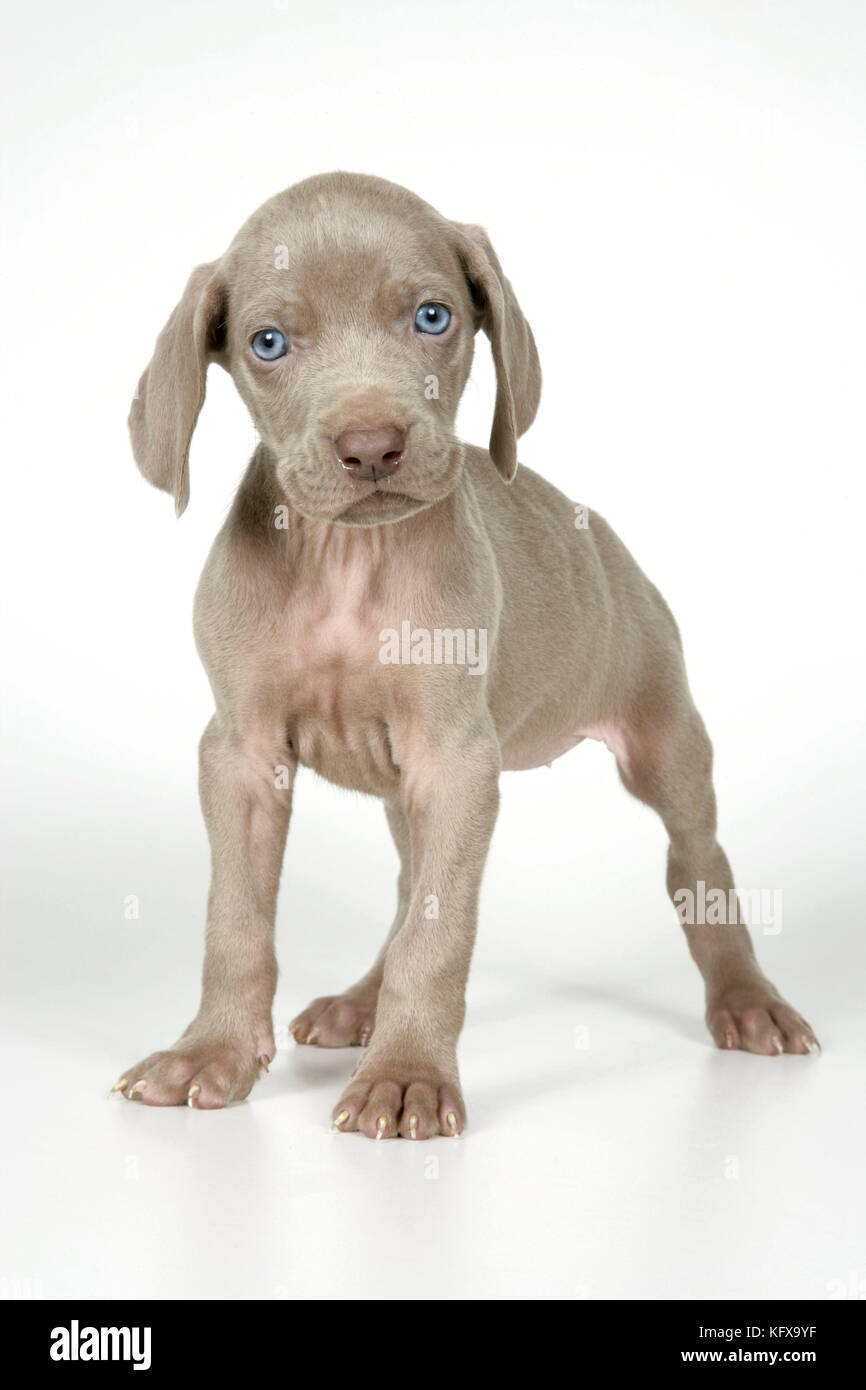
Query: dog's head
345,310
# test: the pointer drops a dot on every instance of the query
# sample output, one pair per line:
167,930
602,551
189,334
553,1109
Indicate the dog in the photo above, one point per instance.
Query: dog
346,311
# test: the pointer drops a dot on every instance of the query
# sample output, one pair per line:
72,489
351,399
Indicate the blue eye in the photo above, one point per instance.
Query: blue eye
270,344
432,318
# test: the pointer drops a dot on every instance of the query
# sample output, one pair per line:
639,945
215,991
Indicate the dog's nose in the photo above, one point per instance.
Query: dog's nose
371,454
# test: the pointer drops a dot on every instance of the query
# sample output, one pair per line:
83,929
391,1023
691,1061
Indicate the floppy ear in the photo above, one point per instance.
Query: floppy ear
518,370
171,390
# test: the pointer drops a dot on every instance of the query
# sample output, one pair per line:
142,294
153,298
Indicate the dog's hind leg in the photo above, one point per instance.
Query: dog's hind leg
348,1019
666,761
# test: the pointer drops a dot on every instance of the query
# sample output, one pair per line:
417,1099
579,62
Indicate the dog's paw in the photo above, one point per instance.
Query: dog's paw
751,1016
383,1108
337,1020
205,1075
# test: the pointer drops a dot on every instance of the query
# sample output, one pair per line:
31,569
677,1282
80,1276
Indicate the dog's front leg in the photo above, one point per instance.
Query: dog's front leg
246,788
407,1082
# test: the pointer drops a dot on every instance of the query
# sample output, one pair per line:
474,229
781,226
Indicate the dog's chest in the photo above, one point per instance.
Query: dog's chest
340,697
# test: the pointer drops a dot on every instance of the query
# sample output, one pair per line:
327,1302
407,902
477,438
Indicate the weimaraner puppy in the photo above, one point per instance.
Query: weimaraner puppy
409,616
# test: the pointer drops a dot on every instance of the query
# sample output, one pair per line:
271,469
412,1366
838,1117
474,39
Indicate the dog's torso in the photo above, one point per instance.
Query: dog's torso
382,607
366,638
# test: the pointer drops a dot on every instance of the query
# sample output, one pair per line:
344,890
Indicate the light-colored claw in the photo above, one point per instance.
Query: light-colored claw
117,1087
341,1119
137,1089
381,1126
264,1064
778,1045
413,1126
312,1036
364,1037
452,1122
812,1045
191,1094
729,1039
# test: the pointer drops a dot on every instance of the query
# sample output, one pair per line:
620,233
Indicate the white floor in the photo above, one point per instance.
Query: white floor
611,1153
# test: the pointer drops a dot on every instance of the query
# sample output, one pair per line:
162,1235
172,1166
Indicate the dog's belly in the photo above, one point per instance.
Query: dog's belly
523,759
518,758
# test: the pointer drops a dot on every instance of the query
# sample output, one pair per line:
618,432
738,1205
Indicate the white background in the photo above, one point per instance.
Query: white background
677,192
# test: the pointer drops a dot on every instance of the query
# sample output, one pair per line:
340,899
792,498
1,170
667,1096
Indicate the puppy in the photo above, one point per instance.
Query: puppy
408,615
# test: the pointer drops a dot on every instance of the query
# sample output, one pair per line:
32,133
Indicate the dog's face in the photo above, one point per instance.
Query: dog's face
346,311
351,332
